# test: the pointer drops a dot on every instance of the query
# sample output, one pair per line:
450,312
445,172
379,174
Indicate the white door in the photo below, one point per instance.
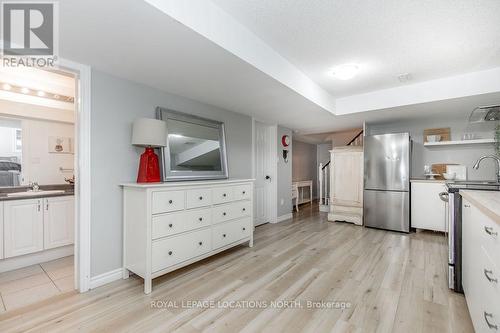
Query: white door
58,221
23,227
263,167
1,230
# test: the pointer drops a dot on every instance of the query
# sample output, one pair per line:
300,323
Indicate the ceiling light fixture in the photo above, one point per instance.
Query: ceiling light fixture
25,90
6,86
345,71
41,93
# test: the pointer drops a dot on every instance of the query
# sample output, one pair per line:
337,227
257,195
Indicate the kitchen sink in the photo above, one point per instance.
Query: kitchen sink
34,193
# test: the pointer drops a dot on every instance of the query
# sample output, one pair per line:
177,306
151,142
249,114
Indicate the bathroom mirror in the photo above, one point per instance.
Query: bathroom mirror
195,147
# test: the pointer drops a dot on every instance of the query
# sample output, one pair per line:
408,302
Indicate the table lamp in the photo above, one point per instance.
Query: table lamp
149,133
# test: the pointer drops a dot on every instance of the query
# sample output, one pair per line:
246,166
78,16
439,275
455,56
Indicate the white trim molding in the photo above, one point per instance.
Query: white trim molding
105,278
284,217
82,172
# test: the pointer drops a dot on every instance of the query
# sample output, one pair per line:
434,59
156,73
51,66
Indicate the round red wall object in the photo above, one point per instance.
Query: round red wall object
285,140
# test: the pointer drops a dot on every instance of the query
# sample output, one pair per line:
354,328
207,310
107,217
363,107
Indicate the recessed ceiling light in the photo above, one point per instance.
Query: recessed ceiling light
25,90
345,71
41,93
6,86
57,96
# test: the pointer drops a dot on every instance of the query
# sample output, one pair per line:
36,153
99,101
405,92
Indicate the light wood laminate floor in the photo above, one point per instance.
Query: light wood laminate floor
389,282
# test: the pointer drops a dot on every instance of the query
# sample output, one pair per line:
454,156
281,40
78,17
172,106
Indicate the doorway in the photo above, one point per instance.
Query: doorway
265,172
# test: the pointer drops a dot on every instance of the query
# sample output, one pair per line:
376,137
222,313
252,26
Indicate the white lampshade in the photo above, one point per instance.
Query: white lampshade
147,132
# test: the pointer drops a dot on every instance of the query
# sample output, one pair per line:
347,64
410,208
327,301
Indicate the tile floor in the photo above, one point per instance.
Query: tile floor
35,283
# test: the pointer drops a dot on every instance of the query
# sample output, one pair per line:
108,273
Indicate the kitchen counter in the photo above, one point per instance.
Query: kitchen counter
488,202
68,191
426,180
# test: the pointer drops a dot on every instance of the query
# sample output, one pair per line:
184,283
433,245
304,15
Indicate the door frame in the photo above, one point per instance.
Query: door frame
82,171
273,152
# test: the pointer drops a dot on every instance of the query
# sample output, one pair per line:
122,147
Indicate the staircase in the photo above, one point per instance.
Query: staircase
324,176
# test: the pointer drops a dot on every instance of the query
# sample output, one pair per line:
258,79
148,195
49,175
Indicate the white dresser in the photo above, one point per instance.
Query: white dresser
170,225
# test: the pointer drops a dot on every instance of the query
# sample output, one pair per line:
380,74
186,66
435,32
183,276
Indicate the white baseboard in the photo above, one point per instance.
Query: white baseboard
105,278
284,217
26,260
324,208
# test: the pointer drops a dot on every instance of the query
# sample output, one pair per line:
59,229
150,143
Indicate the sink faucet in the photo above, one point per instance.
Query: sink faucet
34,186
496,158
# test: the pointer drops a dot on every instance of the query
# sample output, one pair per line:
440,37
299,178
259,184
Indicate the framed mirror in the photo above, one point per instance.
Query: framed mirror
195,147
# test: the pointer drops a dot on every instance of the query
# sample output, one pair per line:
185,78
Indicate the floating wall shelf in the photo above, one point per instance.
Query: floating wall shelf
459,143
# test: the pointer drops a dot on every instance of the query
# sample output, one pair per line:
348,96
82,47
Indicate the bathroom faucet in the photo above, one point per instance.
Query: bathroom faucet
496,158
34,186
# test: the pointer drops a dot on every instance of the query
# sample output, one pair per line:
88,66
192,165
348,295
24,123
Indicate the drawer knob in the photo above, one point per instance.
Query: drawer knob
200,219
201,198
244,192
224,195
489,231
244,228
224,213
170,201
169,253
466,205
487,273
244,209
170,225
223,235
490,325
200,243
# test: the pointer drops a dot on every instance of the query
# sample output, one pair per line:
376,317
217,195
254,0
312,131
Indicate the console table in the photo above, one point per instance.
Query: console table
300,186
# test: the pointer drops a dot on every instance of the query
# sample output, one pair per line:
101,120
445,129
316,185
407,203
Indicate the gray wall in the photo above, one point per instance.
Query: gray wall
115,105
465,155
284,174
304,163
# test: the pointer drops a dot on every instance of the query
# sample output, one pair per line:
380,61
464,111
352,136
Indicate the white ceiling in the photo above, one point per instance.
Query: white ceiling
429,39
133,40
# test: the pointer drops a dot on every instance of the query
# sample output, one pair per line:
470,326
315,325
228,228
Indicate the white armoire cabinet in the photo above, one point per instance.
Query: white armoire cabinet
346,184
23,227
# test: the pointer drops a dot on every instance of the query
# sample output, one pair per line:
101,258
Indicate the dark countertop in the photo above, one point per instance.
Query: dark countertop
68,191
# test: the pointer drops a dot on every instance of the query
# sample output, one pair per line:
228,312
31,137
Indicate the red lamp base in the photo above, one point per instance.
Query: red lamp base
149,168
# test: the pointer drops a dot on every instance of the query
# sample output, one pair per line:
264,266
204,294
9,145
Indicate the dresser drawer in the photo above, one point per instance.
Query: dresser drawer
198,198
230,232
224,213
242,209
222,195
242,192
174,223
174,250
167,201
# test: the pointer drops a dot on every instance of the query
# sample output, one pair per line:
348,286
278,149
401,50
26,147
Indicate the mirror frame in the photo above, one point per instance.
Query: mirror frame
169,175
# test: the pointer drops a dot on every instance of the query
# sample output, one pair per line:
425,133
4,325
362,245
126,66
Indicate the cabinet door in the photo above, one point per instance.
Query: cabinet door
23,227
1,230
347,178
58,221
428,211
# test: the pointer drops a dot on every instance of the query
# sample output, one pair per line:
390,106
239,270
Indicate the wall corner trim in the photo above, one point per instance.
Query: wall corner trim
284,217
105,278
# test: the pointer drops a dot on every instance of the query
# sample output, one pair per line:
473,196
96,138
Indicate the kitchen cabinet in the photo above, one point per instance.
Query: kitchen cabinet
23,227
346,184
58,221
428,211
1,230
480,267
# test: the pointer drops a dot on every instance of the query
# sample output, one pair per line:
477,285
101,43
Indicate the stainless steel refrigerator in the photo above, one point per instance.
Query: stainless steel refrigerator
386,201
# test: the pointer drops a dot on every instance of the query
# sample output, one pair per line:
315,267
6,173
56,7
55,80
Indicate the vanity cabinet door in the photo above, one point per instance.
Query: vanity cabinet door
59,218
1,230
23,227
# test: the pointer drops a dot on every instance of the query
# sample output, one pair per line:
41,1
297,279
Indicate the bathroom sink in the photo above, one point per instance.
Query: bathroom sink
34,193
